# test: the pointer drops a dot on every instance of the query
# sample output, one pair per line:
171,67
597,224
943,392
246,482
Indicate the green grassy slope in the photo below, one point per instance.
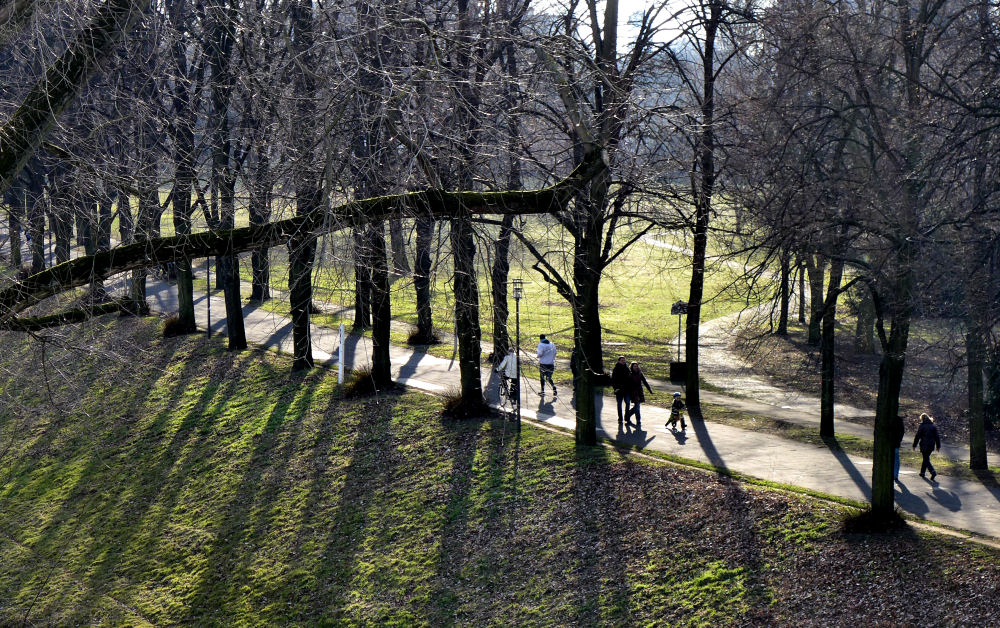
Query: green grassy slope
190,485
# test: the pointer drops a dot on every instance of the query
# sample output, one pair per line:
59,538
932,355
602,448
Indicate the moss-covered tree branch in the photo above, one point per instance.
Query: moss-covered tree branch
37,323
149,253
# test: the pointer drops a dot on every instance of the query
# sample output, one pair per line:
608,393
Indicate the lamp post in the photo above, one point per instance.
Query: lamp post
518,286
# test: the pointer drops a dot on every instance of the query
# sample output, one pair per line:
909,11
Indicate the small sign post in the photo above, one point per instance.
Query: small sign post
678,369
680,308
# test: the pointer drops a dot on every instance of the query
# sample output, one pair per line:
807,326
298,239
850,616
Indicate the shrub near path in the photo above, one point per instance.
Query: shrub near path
202,487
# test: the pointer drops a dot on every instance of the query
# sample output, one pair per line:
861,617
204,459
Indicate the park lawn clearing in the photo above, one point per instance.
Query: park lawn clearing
637,291
168,481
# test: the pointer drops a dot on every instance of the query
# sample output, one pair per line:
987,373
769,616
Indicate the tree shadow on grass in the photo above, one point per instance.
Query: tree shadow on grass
77,526
237,535
73,424
370,470
157,478
91,372
473,549
602,590
452,553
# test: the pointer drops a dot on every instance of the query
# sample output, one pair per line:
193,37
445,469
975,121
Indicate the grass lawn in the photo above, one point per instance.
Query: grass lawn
636,294
152,481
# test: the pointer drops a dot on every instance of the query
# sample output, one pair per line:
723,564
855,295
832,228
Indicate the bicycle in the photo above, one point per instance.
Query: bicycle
508,395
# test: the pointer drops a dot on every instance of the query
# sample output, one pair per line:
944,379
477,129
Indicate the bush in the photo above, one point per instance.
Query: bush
172,327
360,384
417,338
456,407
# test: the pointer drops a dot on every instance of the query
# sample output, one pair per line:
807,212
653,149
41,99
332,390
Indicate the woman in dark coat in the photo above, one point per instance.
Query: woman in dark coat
621,381
927,437
635,395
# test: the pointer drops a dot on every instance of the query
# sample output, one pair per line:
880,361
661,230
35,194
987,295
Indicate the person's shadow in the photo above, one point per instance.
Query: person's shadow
633,434
679,435
948,499
545,407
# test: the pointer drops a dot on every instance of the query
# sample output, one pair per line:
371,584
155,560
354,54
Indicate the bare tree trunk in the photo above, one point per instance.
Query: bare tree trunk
235,330
463,246
14,232
62,227
381,310
126,221
260,213
785,293
501,252
864,328
422,281
498,281
184,175
827,350
400,262
816,267
362,278
802,293
308,193
36,223
977,423
148,200
703,205
587,338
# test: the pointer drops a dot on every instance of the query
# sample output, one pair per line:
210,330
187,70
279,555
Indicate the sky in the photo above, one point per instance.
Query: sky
626,9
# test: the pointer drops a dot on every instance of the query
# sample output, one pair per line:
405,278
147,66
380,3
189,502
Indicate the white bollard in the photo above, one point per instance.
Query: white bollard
340,357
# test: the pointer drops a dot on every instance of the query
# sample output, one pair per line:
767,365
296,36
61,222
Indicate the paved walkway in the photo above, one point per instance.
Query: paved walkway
958,503
962,504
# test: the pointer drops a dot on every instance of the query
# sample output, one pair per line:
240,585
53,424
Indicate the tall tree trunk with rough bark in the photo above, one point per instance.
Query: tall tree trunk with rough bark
308,191
816,268
828,349
362,278
705,156
424,228
501,248
184,165
802,293
784,293
400,262
14,233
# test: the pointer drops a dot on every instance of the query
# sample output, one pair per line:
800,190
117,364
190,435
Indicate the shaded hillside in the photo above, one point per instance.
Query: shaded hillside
169,481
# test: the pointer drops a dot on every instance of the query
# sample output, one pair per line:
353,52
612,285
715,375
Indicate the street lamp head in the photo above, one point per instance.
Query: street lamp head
518,286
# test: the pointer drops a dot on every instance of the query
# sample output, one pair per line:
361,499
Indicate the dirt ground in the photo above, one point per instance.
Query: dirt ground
934,380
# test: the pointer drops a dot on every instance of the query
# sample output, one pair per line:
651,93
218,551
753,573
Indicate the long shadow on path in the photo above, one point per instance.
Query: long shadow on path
845,462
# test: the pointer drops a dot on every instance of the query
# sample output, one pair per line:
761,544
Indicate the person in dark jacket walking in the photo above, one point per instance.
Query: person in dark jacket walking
622,383
638,380
928,439
898,430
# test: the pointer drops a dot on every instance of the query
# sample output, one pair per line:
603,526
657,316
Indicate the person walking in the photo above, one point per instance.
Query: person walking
622,383
677,413
546,362
928,439
898,430
508,371
636,396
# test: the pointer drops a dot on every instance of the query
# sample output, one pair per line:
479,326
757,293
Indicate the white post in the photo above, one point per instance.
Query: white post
340,357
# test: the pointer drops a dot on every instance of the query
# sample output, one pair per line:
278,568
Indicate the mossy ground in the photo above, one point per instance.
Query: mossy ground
167,481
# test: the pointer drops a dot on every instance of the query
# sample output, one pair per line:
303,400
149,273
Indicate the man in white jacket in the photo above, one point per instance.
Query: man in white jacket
546,362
